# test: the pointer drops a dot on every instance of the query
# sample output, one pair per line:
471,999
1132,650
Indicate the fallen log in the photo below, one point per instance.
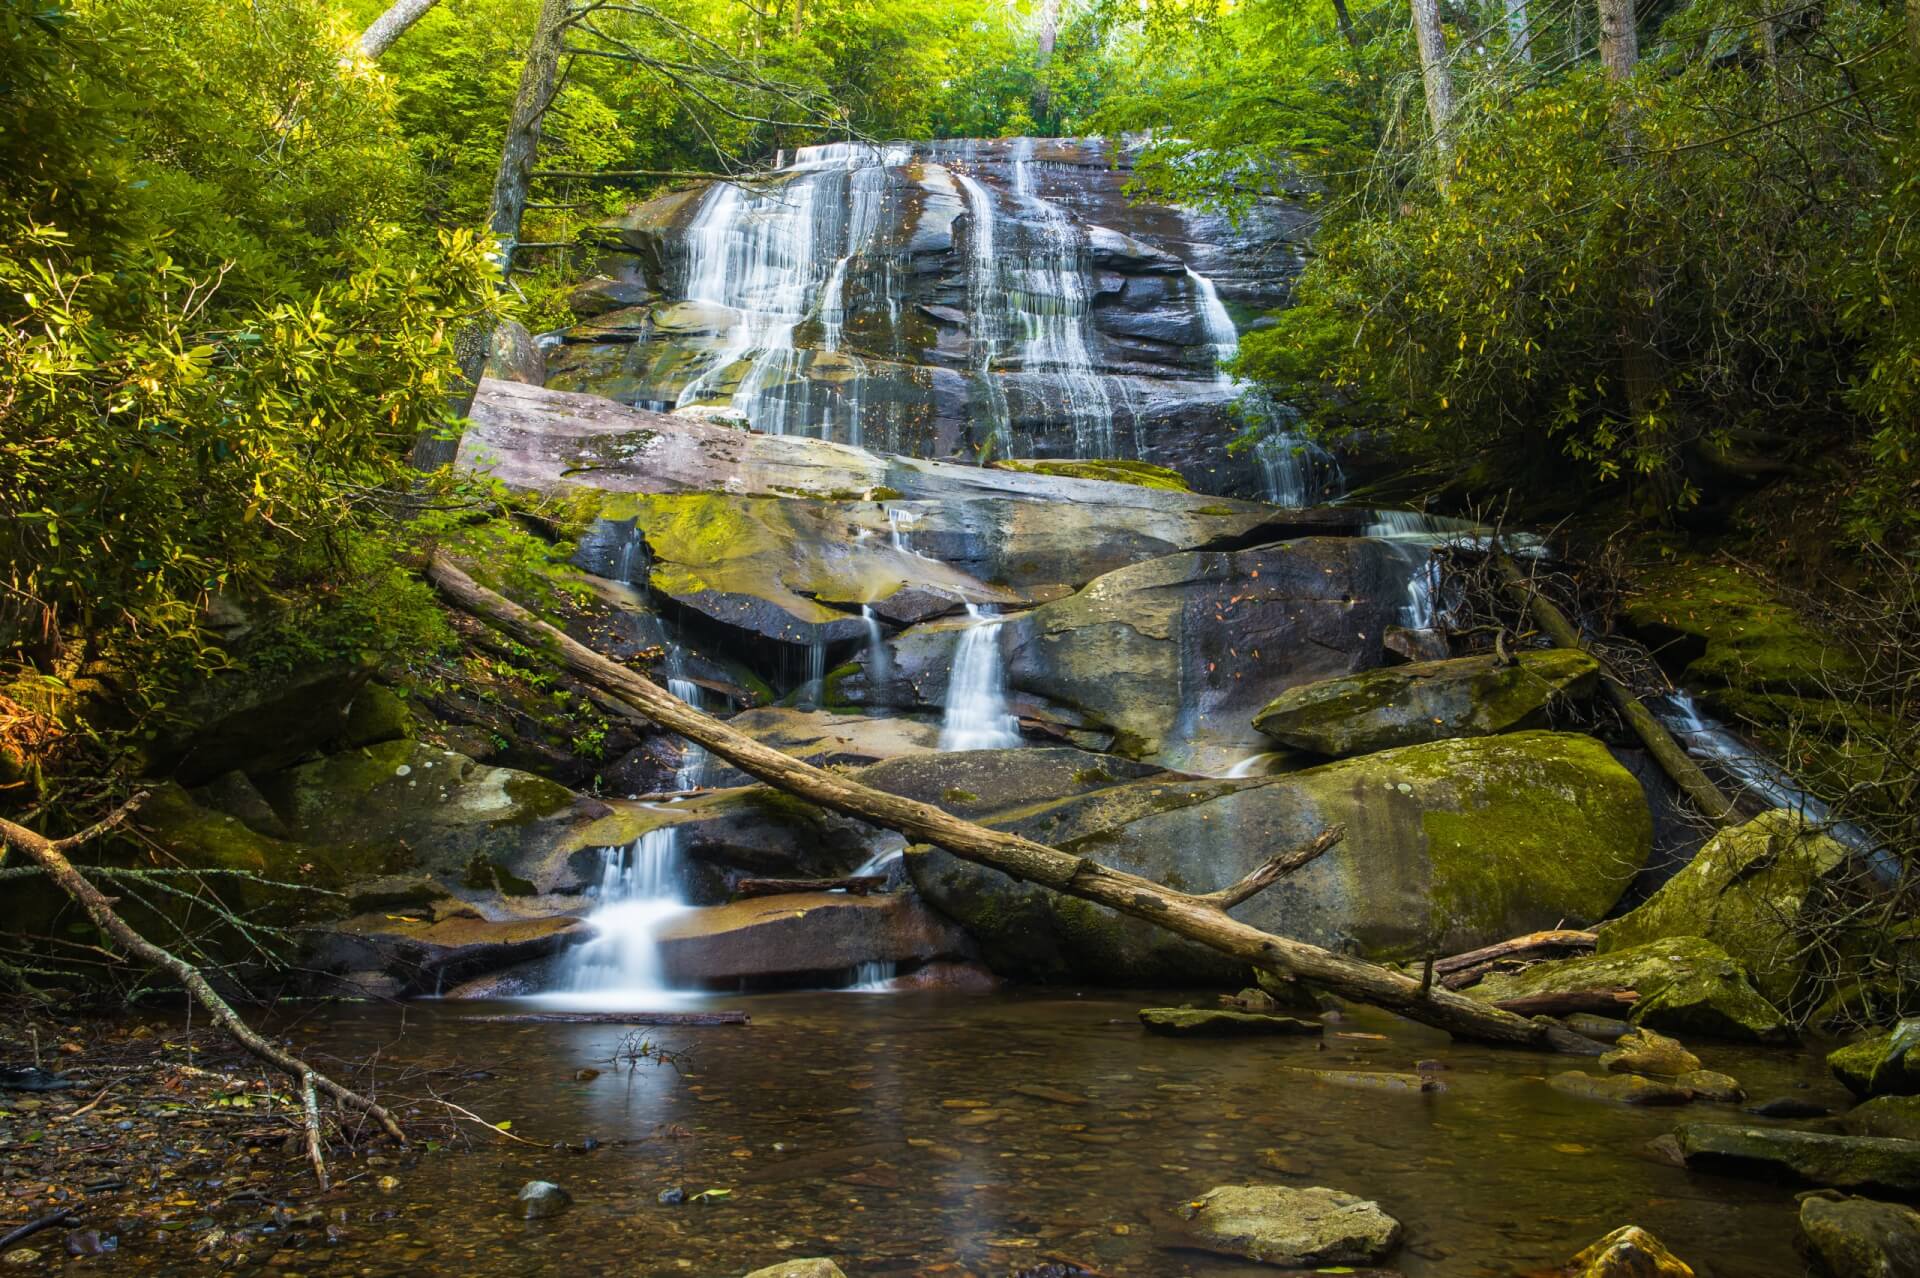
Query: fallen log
51,856
614,1018
1202,918
1594,1002
1463,970
1668,753
852,884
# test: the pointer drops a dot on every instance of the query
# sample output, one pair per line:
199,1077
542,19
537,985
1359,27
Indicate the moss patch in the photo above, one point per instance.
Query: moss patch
1138,473
1729,628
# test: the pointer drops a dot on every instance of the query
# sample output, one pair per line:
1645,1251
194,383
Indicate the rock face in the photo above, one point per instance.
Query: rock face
1426,701
789,939
1881,1064
958,296
1845,1162
1686,986
1860,1238
1448,846
1759,892
1278,1226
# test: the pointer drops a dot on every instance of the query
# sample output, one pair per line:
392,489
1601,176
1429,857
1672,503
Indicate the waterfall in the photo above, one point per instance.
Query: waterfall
876,646
640,889
984,305
977,717
776,257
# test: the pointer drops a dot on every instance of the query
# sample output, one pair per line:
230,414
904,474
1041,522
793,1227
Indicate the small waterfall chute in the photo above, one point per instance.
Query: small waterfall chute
976,716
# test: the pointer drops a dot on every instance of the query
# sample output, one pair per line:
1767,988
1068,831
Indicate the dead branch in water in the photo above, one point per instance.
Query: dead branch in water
1200,918
51,856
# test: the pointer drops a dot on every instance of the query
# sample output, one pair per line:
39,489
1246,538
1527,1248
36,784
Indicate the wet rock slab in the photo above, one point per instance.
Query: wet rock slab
1280,1226
1846,1162
1194,1022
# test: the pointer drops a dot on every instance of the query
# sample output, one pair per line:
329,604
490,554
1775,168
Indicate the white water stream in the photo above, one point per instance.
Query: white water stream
976,713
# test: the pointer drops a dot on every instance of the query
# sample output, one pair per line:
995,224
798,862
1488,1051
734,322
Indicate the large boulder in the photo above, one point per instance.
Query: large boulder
803,937
1293,1227
1762,892
1843,1162
1686,986
1883,1064
1426,701
1895,1116
1860,1238
1449,846
428,951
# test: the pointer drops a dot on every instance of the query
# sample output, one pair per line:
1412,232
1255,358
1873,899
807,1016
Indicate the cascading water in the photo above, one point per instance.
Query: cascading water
640,889
976,715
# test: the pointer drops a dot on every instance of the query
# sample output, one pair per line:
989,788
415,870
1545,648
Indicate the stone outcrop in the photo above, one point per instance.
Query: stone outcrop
1426,701
1448,846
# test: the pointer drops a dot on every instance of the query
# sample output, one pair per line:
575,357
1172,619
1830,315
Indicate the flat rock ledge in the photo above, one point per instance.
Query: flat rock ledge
1195,1022
1279,1226
1845,1162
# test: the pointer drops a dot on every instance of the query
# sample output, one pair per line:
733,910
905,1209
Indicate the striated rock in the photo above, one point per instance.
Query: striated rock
786,938
1758,891
1881,1064
1621,1089
1427,701
1449,846
1845,1162
1895,1116
1860,1238
1628,1252
1646,1052
1280,1226
1190,1022
812,1267
1686,985
543,1200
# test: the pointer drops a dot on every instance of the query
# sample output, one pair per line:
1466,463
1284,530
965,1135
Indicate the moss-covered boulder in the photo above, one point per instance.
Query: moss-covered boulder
1897,1117
1761,892
1729,628
1859,1238
1426,701
1448,846
1884,1064
1844,1162
1686,985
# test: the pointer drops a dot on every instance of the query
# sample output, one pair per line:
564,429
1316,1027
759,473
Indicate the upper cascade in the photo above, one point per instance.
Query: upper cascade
968,299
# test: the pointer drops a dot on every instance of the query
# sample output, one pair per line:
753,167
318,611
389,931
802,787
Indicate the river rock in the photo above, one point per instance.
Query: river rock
1895,1116
433,955
1194,1022
1279,1226
1647,1052
1628,1252
784,939
1621,1089
812,1267
1881,1064
1845,1162
543,1200
1548,817
1709,1085
1686,985
1759,891
1426,701
1860,1238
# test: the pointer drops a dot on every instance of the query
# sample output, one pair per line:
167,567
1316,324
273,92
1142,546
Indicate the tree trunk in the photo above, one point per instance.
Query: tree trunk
1048,33
391,25
538,77
1438,79
52,857
1344,20
1201,918
1519,31
1678,764
1619,38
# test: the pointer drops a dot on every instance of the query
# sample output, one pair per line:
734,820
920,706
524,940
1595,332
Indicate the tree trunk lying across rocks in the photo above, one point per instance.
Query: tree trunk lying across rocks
1463,970
1202,918
853,884
51,856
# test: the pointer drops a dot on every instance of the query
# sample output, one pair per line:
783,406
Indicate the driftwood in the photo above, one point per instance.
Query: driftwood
1202,918
615,1018
51,856
1593,1002
1669,753
1464,970
853,884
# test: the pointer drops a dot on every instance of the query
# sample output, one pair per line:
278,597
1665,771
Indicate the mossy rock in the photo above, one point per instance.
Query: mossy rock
1845,1162
1138,473
1760,891
1896,1117
1426,701
1687,986
1735,632
1883,1064
376,714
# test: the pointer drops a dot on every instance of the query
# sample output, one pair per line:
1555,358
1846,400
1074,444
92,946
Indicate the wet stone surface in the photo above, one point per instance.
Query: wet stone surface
913,1134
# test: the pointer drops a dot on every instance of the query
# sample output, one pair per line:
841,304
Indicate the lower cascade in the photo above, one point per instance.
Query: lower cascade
976,716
